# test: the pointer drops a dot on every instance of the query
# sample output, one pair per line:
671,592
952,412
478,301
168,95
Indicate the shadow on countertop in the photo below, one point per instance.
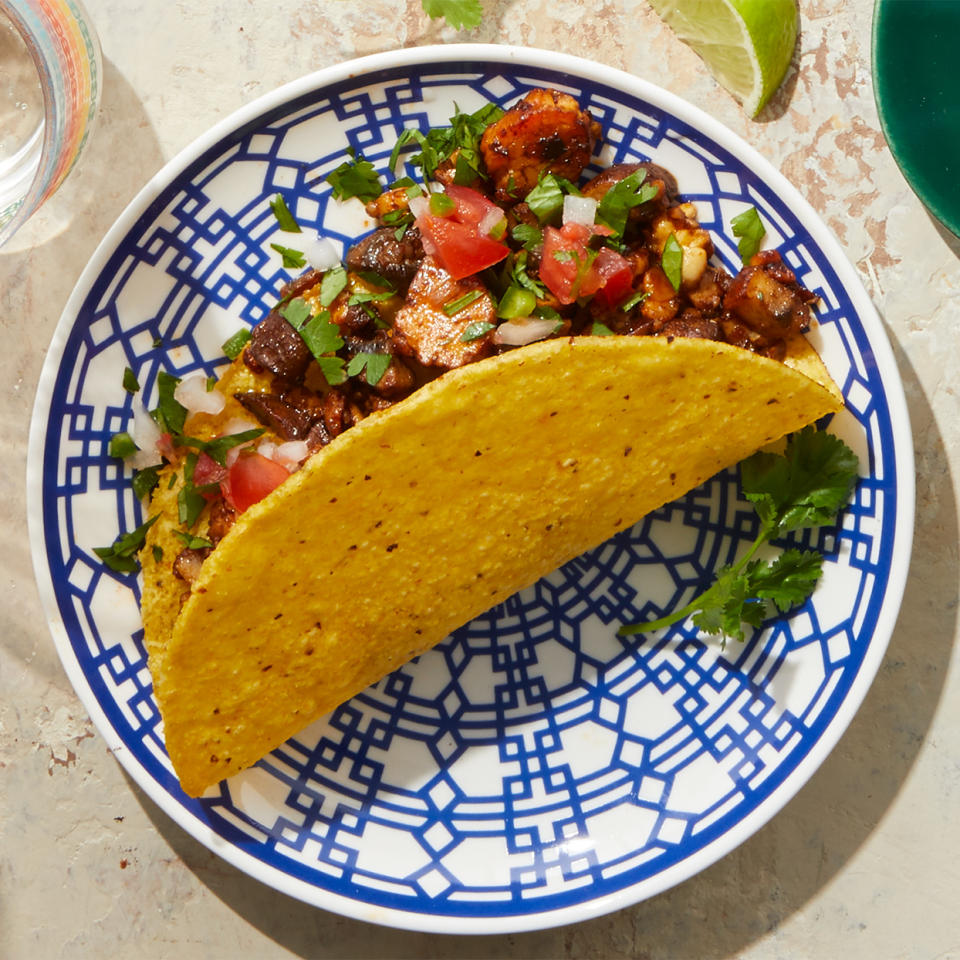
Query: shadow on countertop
758,886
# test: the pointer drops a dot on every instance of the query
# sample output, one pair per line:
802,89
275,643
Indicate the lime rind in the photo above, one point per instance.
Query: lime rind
747,44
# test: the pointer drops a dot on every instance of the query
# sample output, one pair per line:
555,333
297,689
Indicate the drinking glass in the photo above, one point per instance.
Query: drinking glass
50,78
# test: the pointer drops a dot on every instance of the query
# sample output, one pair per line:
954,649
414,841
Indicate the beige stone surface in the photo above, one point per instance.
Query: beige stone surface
861,864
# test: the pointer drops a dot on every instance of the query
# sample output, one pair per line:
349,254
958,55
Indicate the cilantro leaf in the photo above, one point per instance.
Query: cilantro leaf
285,218
600,330
475,330
233,347
519,276
636,299
332,370
803,487
144,481
292,259
130,382
169,414
454,306
439,144
296,313
787,581
190,501
672,261
217,448
192,542
615,205
355,177
321,335
750,229
545,200
528,236
727,605
119,556
460,14
332,284
375,364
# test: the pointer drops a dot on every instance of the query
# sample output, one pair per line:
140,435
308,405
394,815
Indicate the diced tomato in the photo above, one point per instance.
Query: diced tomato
165,446
207,471
457,240
571,270
460,249
472,206
616,277
250,479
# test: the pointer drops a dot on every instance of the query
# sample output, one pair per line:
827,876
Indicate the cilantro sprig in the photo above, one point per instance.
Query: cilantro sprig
439,144
545,200
355,177
802,488
615,205
460,14
121,555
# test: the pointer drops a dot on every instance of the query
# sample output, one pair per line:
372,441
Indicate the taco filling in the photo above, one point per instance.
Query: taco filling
512,366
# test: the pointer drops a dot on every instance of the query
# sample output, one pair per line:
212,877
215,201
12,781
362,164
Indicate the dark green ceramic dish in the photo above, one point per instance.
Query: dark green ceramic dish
916,78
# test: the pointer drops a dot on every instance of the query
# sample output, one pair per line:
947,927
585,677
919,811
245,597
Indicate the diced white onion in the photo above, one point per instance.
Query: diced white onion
579,210
492,218
143,459
192,392
419,206
238,425
291,454
145,432
322,253
516,333
268,449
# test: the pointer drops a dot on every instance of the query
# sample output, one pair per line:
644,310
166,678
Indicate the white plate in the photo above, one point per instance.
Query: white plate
534,769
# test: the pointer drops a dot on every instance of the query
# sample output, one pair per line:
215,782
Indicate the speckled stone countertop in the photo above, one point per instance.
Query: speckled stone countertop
862,863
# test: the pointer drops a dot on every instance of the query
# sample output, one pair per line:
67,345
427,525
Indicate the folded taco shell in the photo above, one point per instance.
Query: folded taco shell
425,515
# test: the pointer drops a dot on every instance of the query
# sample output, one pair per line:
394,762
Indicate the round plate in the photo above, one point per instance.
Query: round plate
918,97
534,769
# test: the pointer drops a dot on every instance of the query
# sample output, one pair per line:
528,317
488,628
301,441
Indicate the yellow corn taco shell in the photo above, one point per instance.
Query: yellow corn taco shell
425,515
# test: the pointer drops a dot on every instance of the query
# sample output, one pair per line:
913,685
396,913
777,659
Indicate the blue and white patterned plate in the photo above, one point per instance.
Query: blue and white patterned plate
533,769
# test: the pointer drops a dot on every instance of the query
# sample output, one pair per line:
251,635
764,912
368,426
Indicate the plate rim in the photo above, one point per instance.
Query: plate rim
899,426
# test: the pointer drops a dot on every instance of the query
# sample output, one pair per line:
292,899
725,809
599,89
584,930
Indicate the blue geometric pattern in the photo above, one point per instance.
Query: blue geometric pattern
533,760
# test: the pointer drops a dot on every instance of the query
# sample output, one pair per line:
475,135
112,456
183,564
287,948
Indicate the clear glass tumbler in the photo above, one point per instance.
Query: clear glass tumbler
50,78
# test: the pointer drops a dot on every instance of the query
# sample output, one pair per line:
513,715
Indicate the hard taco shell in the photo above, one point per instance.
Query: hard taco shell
425,515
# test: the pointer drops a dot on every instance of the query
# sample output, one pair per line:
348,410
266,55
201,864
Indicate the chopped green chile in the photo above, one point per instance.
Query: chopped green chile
122,445
441,205
516,302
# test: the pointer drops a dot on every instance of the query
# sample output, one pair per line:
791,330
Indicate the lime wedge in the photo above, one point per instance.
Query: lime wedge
747,44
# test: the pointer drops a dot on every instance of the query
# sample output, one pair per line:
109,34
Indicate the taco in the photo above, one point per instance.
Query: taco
470,403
